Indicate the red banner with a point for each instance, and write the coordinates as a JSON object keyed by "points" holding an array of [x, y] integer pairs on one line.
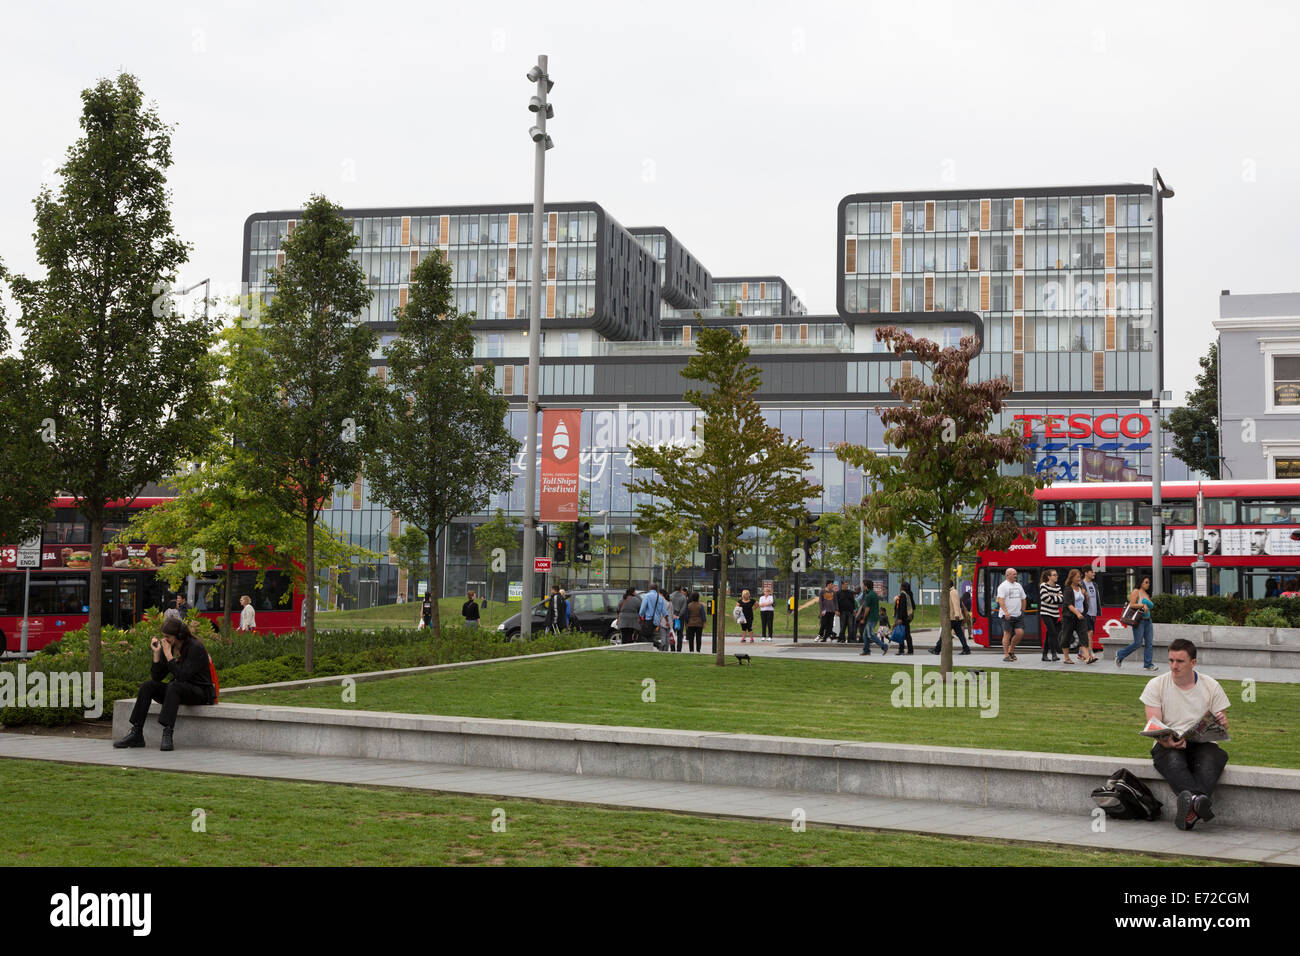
{"points": [[561, 431]]}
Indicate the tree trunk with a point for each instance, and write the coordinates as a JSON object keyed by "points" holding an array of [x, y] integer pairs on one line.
{"points": [[721, 659], [96, 603], [945, 625], [432, 591], [229, 589], [309, 655]]}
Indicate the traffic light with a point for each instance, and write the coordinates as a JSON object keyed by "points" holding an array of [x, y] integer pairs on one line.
{"points": [[582, 539], [561, 552], [810, 532], [731, 559]]}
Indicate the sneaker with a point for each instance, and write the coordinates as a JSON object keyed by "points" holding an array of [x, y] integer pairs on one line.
{"points": [[1118, 660], [1151, 667], [1185, 811], [1202, 806]]}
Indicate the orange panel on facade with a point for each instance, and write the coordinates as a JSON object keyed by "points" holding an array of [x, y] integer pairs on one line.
{"points": [[513, 235], [986, 213], [896, 256], [1018, 372], [550, 300], [406, 230], [929, 215], [511, 259], [1110, 332], [550, 262], [444, 230], [1020, 292], [974, 254], [850, 256], [510, 301], [1110, 210], [1099, 371], [984, 293], [553, 226], [1020, 252], [896, 287], [1110, 250], [1020, 214], [929, 293], [898, 217]]}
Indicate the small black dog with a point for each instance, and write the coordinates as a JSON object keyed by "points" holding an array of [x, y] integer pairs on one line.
{"points": [[743, 659]]}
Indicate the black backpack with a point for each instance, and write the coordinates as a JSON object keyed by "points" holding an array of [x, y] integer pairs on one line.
{"points": [[1125, 797]]}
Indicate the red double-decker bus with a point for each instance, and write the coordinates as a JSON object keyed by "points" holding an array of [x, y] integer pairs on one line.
{"points": [[1251, 531], [58, 597]]}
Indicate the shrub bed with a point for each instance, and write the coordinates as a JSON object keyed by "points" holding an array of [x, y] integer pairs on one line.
{"points": [[1178, 609], [244, 659]]}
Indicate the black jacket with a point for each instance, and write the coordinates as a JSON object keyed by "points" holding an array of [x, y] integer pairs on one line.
{"points": [[469, 610], [845, 601], [190, 668]]}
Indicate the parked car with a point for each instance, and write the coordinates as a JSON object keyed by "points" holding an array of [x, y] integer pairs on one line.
{"points": [[590, 609]]}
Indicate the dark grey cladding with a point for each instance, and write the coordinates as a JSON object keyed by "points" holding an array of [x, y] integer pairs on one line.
{"points": [[686, 284]]}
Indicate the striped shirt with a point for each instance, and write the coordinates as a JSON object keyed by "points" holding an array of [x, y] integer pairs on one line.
{"points": [[1049, 598]]}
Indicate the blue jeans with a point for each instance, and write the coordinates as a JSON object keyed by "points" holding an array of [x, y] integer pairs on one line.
{"points": [[1143, 634], [869, 634]]}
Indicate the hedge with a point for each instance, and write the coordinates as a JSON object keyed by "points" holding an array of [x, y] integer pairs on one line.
{"points": [[1176, 609], [246, 659]]}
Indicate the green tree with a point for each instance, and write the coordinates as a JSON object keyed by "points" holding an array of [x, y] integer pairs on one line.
{"points": [[28, 478], [674, 546], [302, 389], [949, 470], [444, 446], [411, 548], [499, 531], [837, 547], [125, 375], [1196, 426], [741, 472]]}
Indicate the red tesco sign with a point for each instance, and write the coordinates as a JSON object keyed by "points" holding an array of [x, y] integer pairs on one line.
{"points": [[1085, 426], [542, 565]]}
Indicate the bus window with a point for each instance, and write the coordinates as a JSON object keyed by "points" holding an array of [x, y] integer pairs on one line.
{"points": [[11, 595], [1049, 513], [60, 595], [1117, 513], [1181, 513], [1221, 511], [1270, 512], [1088, 512]]}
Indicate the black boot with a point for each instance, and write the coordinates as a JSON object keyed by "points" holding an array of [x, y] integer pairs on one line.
{"points": [[135, 738], [166, 740]]}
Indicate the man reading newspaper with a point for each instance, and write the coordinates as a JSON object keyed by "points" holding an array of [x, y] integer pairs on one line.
{"points": [[1186, 713]]}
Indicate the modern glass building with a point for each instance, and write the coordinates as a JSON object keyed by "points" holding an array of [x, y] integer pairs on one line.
{"points": [[1055, 284]]}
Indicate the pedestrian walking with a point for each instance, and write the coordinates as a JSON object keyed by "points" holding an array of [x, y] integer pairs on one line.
{"points": [[247, 616], [1049, 613], [746, 616], [1011, 608], [629, 617], [904, 610], [469, 610], [695, 616], [1076, 601], [1141, 606], [956, 617], [846, 605], [679, 600], [767, 611], [869, 611], [826, 607], [1092, 608]]}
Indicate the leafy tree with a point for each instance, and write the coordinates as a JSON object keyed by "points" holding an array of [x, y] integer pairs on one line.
{"points": [[302, 389], [125, 375], [28, 479], [837, 547], [1196, 426], [443, 447], [499, 531], [741, 472], [674, 546], [949, 471], [412, 555]]}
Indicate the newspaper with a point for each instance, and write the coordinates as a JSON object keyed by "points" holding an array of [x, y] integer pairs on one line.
{"points": [[1207, 729]]}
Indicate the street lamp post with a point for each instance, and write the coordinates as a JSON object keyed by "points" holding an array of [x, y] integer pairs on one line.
{"points": [[191, 583], [538, 105], [1159, 193]]}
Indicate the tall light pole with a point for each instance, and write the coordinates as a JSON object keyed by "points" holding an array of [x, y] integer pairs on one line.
{"points": [[538, 105], [1159, 193], [191, 583]]}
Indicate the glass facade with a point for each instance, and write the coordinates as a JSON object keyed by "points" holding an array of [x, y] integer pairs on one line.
{"points": [[761, 296], [1068, 272]]}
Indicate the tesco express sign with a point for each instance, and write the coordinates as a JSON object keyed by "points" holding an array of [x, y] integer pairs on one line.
{"points": [[1110, 425]]}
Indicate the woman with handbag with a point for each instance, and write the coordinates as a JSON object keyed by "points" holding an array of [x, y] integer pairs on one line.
{"points": [[1137, 615], [904, 608], [1049, 613], [629, 612], [1076, 621], [746, 617]]}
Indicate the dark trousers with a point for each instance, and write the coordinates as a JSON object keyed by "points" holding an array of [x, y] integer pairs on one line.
{"points": [[767, 622], [693, 638], [848, 627], [828, 625], [1197, 768], [630, 635], [1051, 629], [907, 627], [170, 695], [961, 636]]}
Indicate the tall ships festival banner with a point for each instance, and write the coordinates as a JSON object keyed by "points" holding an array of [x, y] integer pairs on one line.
{"points": [[561, 431]]}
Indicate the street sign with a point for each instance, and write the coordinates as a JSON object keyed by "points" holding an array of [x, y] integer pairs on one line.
{"points": [[542, 565], [29, 554]]}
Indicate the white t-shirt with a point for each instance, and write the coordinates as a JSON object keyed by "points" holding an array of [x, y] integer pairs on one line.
{"points": [[1183, 709], [1014, 595], [766, 602], [247, 618]]}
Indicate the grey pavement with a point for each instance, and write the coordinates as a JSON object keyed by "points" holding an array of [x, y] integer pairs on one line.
{"points": [[922, 641], [1214, 841]]}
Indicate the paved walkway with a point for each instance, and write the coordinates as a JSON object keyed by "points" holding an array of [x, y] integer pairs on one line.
{"points": [[1213, 841], [922, 641]]}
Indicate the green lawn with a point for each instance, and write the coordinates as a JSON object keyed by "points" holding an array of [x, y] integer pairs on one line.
{"points": [[253, 822], [1083, 713], [406, 615]]}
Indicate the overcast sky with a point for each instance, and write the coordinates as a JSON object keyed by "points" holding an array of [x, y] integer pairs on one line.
{"points": [[739, 126]]}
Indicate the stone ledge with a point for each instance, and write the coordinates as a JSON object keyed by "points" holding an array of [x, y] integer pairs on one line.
{"points": [[1249, 796]]}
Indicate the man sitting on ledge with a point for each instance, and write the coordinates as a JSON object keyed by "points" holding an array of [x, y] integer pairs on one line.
{"points": [[1179, 699]]}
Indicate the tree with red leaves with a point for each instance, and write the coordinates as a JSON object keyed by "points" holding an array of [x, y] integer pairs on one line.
{"points": [[949, 473]]}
